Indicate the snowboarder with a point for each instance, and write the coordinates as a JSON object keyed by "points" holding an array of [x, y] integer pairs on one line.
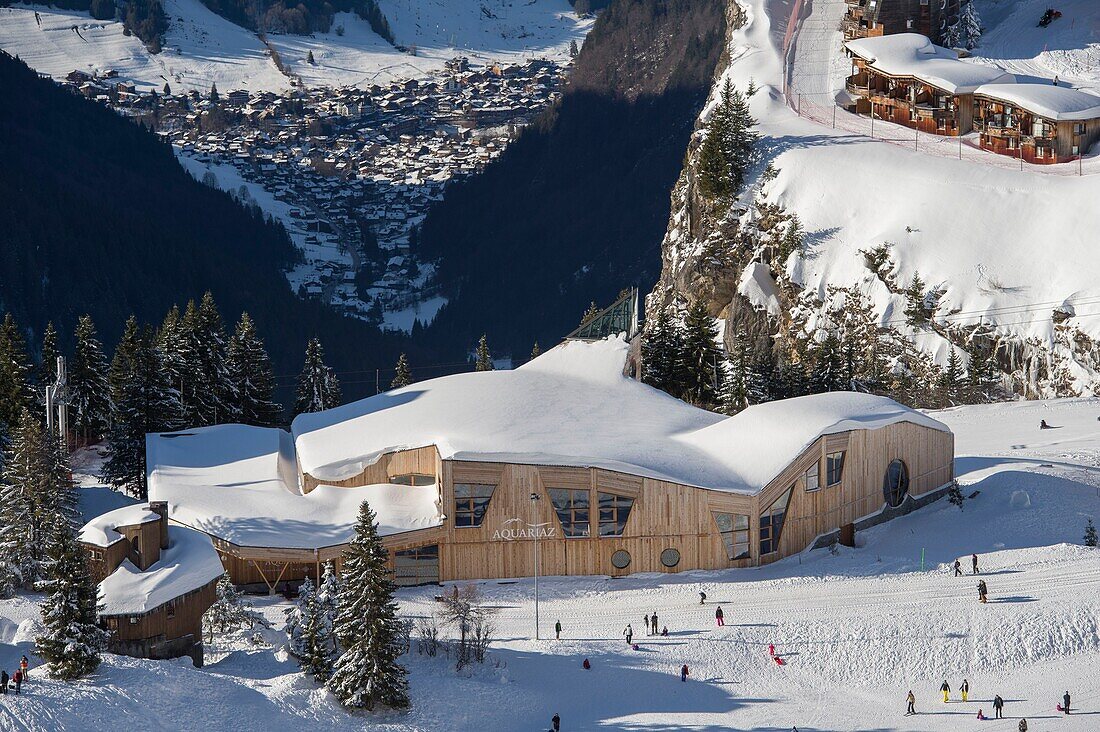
{"points": [[998, 706], [645, 624], [557, 630], [664, 632], [18, 679], [983, 591], [555, 722], [24, 666], [3, 681], [910, 701], [653, 619], [702, 598], [1022, 727], [958, 568], [974, 562], [1065, 703], [945, 689], [964, 689], [586, 665], [684, 673], [720, 616], [629, 633]]}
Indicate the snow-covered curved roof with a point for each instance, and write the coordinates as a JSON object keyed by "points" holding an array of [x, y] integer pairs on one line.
{"points": [[573, 407], [100, 531], [240, 483], [911, 54], [189, 562], [1045, 100]]}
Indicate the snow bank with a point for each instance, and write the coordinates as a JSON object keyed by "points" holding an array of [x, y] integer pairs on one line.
{"points": [[101, 530], [759, 287], [573, 407], [189, 562], [911, 54]]}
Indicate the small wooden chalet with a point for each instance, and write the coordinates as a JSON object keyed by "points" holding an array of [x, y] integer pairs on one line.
{"points": [[872, 18], [907, 80], [155, 581], [1038, 123]]}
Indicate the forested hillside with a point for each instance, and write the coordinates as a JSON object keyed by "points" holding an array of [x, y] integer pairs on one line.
{"points": [[575, 209], [97, 217], [298, 16]]}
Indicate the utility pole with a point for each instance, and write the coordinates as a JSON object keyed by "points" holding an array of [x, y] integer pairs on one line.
{"points": [[535, 507]]}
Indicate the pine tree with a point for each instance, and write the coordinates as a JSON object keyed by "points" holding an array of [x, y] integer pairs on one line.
{"points": [[828, 369], [742, 137], [318, 388], [46, 374], [662, 346], [970, 26], [535, 351], [15, 391], [253, 383], [179, 363], [483, 358], [214, 91], [318, 647], [590, 314], [295, 617], [916, 297], [230, 610], [216, 396], [72, 641], [89, 395], [142, 402], [951, 379], [698, 365], [791, 241], [573, 50], [734, 396], [367, 674], [402, 376], [167, 89], [1090, 533], [309, 58], [714, 163], [761, 385], [955, 496]]}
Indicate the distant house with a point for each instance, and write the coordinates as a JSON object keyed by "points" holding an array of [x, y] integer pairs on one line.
{"points": [[1039, 123], [155, 581], [908, 80], [872, 18]]}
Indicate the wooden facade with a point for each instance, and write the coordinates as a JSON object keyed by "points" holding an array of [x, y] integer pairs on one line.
{"points": [[669, 527], [908, 101], [1008, 129], [870, 18]]}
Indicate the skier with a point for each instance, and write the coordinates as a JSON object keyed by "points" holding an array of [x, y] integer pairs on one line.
{"points": [[645, 624], [586, 665], [24, 665], [3, 681], [555, 722], [720, 616], [945, 689], [958, 568], [629, 633], [974, 561], [1043, 424], [18, 678], [1022, 726], [684, 673], [702, 598], [998, 705], [653, 619], [557, 630], [1065, 703], [983, 591], [910, 701], [965, 689]]}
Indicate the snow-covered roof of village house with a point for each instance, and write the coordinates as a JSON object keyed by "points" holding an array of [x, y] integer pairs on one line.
{"points": [[240, 483], [572, 406], [1046, 100], [911, 54], [100, 531], [189, 562]]}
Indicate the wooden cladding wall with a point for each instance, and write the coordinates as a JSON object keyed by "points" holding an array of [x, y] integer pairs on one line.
{"points": [[186, 617], [421, 460]]}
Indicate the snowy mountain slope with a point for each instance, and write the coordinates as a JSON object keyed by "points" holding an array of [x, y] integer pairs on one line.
{"points": [[1006, 248], [857, 629], [201, 47]]}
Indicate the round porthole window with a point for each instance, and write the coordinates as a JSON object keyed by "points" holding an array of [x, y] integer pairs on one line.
{"points": [[620, 559], [670, 557]]}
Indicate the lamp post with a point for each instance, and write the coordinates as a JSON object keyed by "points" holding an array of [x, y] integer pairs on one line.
{"points": [[535, 525]]}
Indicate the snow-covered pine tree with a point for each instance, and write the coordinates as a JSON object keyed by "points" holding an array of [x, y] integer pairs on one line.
{"points": [[90, 402], [970, 26], [952, 34], [713, 165], [951, 380], [402, 376], [828, 368], [734, 394], [46, 373], [253, 383], [698, 364], [791, 241], [661, 348], [763, 374], [1090, 533], [63, 495], [15, 391], [216, 395], [295, 616], [318, 649], [318, 388], [179, 363], [72, 640], [367, 673], [328, 592], [916, 302], [483, 359], [141, 402], [230, 610], [741, 147]]}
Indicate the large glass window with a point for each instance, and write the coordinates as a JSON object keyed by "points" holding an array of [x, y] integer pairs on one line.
{"points": [[771, 523], [834, 468], [471, 502], [812, 477], [895, 484], [572, 508], [412, 479], [734, 528], [419, 566], [614, 511]]}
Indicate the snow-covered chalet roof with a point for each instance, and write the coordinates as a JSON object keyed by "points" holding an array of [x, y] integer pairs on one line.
{"points": [[189, 562], [572, 406], [1046, 100], [101, 531], [240, 483], [911, 54]]}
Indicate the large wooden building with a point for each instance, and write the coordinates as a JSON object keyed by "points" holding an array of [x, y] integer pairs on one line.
{"points": [[607, 475], [155, 581], [1040, 123], [873, 18]]}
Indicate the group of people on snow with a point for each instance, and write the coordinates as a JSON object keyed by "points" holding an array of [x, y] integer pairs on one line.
{"points": [[17, 678], [964, 693]]}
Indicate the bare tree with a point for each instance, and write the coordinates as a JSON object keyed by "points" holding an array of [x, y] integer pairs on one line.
{"points": [[465, 611]]}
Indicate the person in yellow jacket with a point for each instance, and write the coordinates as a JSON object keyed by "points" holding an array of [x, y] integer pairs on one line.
{"points": [[965, 689], [945, 689]]}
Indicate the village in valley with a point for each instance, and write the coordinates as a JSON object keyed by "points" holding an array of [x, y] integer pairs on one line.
{"points": [[349, 171]]}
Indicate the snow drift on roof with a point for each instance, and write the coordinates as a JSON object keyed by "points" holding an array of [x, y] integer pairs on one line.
{"points": [[189, 562], [240, 483], [1045, 100], [572, 406], [911, 54], [101, 530]]}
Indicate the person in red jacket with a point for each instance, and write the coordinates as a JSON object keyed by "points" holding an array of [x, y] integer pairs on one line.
{"points": [[720, 616], [18, 679]]}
